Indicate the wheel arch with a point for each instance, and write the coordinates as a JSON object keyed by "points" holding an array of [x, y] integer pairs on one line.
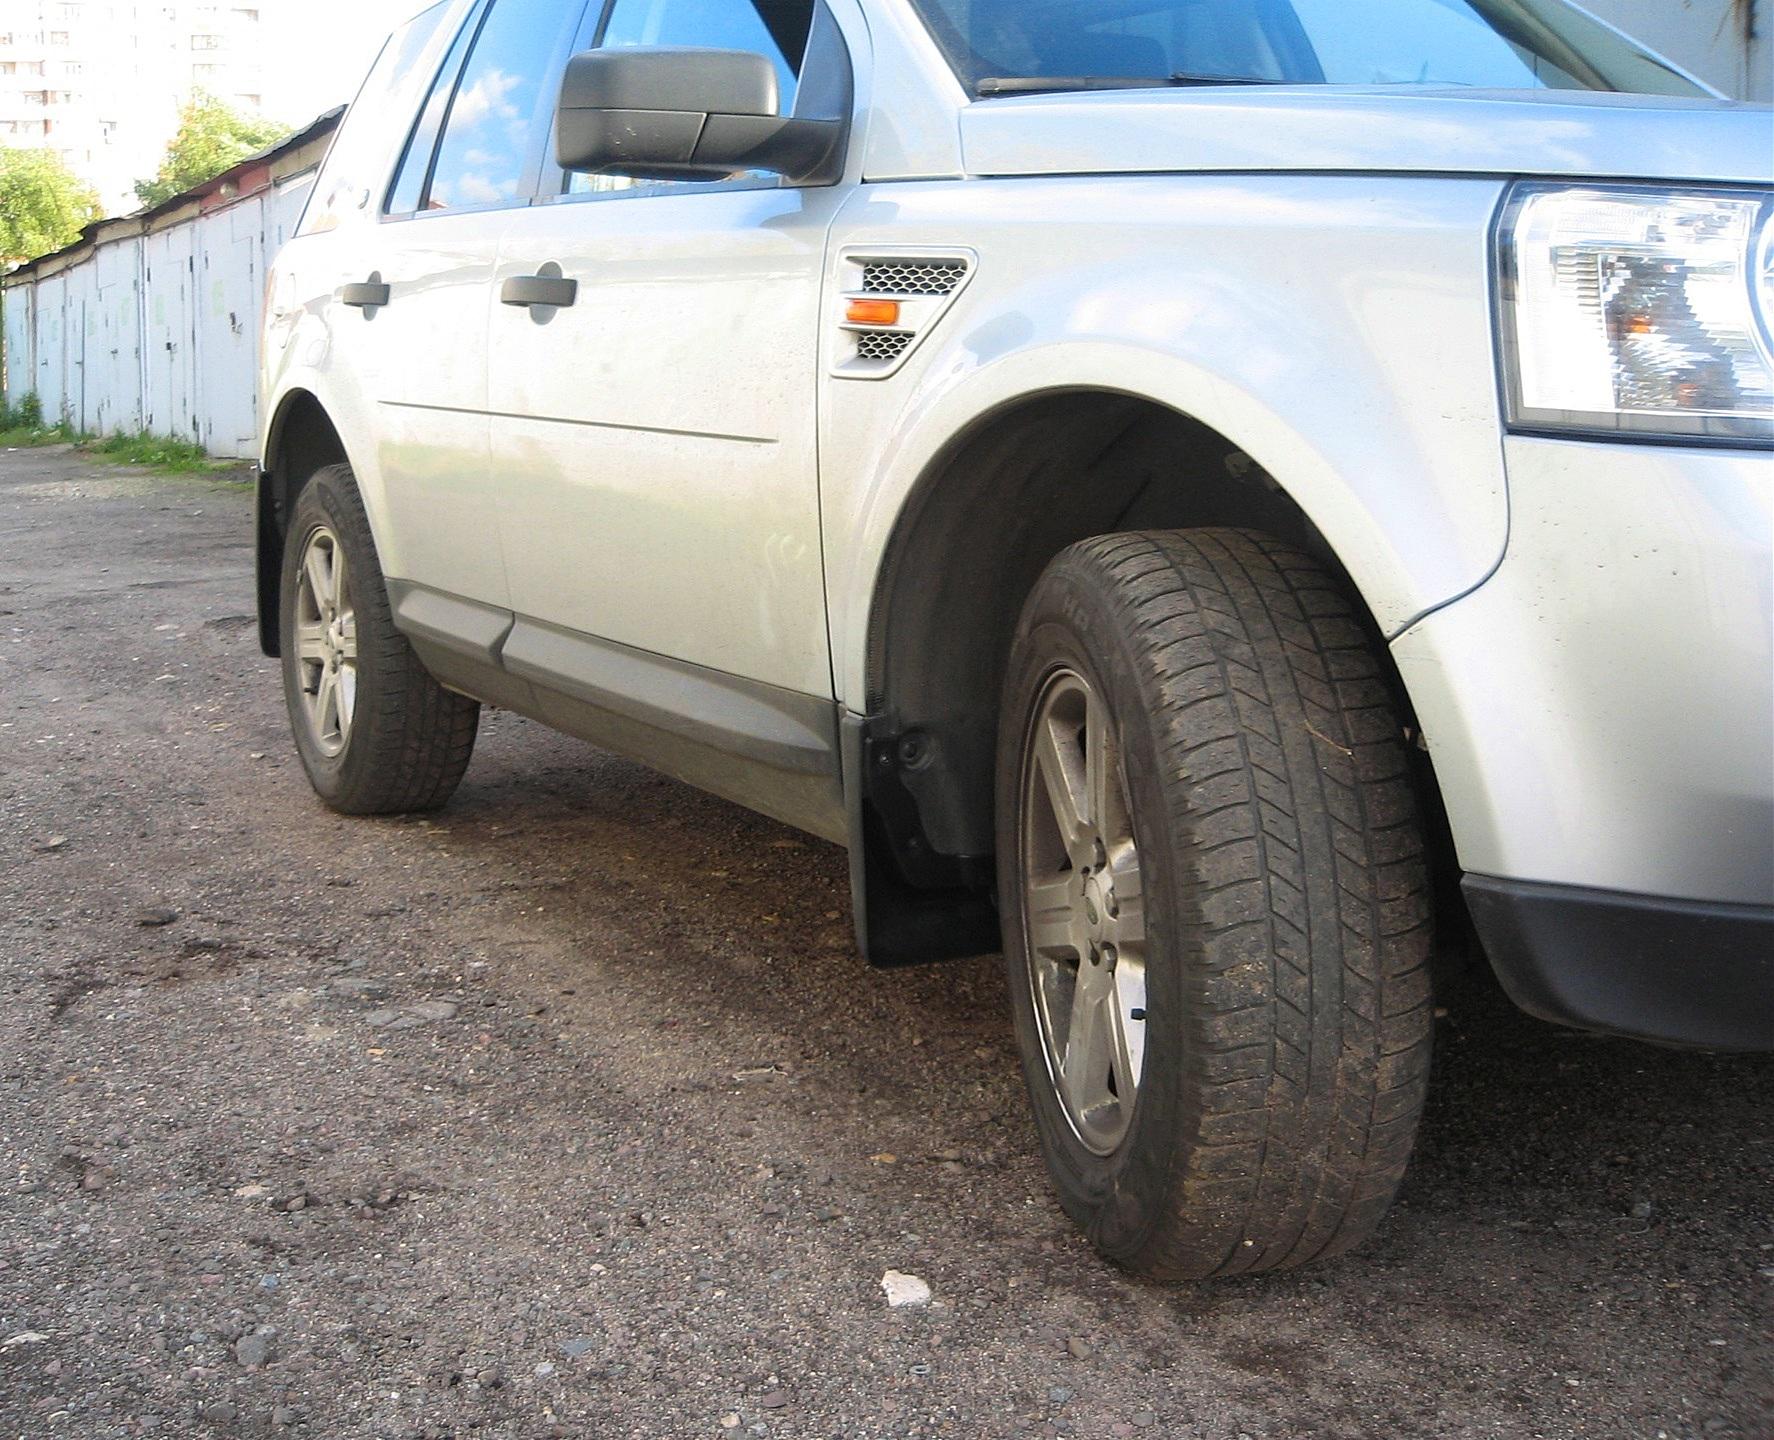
{"points": [[300, 440], [1025, 478]]}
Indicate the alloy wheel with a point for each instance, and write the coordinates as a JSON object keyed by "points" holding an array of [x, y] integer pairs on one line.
{"points": [[326, 642], [1084, 912]]}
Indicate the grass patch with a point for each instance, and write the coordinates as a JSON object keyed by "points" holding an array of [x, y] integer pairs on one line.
{"points": [[18, 437], [156, 452], [22, 425]]}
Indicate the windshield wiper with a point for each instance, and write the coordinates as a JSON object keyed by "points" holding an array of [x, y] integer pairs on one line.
{"points": [[1185, 78], [1048, 84]]}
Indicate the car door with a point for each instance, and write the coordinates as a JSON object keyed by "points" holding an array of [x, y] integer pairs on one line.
{"points": [[656, 438], [473, 155]]}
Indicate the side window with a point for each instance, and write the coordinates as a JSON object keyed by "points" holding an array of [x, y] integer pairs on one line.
{"points": [[492, 134], [393, 86], [778, 29], [408, 190]]}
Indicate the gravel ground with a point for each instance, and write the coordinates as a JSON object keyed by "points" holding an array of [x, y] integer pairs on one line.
{"points": [[571, 1111]]}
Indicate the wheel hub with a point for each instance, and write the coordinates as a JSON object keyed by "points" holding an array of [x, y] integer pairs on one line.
{"points": [[1098, 903]]}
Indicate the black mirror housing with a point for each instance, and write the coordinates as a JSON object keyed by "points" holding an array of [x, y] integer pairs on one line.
{"points": [[670, 113], [672, 80]]}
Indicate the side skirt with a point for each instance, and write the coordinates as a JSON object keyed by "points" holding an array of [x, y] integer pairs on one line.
{"points": [[769, 749]]}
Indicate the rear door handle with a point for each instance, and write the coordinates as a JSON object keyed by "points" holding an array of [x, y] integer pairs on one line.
{"points": [[539, 290], [369, 294]]}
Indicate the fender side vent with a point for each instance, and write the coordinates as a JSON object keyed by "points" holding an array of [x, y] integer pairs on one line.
{"points": [[913, 277], [921, 284], [884, 346]]}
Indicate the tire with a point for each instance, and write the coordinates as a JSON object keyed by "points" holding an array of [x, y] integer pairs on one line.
{"points": [[391, 740], [1250, 942]]}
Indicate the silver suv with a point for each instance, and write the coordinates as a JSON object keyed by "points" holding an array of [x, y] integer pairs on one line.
{"points": [[1202, 496]]}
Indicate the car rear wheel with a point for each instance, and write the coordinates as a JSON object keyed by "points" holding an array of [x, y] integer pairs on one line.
{"points": [[376, 734], [1216, 906]]}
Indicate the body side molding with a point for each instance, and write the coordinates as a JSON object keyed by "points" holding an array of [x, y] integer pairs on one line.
{"points": [[434, 618], [779, 728], [771, 749]]}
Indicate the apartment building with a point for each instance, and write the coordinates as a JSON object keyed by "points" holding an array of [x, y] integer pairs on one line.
{"points": [[100, 81]]}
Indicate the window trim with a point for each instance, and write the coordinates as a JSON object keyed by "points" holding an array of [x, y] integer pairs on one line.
{"points": [[541, 121], [473, 19], [587, 35]]}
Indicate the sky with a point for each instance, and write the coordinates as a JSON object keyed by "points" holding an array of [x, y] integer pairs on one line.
{"points": [[325, 48]]}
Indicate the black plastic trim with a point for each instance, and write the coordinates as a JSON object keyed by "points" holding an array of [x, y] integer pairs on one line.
{"points": [[548, 291], [771, 749], [267, 559], [369, 294], [467, 627], [912, 905], [779, 728], [1678, 972], [606, 113]]}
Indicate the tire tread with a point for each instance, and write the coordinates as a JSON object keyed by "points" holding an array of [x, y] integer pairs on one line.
{"points": [[1293, 809]]}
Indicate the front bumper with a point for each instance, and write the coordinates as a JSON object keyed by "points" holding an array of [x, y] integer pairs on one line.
{"points": [[1600, 715], [1680, 972]]}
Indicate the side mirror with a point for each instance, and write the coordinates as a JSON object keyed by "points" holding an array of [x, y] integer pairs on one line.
{"points": [[666, 113]]}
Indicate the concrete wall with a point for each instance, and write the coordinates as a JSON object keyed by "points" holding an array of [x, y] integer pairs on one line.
{"points": [[1724, 42], [152, 322], [155, 331]]}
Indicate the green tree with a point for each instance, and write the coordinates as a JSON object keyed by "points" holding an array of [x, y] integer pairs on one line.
{"points": [[43, 205], [212, 137]]}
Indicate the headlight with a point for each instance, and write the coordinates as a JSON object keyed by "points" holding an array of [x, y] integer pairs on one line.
{"points": [[1638, 312]]}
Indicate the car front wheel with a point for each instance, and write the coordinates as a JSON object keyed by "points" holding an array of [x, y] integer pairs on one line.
{"points": [[1216, 906]]}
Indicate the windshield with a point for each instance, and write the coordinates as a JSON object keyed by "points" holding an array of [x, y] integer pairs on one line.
{"points": [[1006, 46]]}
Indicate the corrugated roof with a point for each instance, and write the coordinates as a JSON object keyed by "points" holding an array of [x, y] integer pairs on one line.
{"points": [[140, 220]]}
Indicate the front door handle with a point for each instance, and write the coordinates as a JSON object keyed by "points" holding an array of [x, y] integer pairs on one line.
{"points": [[539, 290], [369, 294]]}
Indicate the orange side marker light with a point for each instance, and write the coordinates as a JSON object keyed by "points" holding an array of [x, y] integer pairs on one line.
{"points": [[873, 312]]}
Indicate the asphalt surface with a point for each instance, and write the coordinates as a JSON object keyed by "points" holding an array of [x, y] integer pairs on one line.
{"points": [[571, 1111]]}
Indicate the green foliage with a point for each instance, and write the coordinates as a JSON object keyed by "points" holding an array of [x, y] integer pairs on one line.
{"points": [[27, 414], [43, 205], [158, 452], [22, 425], [212, 137]]}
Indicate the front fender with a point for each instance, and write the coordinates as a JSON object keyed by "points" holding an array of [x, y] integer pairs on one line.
{"points": [[1336, 329]]}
